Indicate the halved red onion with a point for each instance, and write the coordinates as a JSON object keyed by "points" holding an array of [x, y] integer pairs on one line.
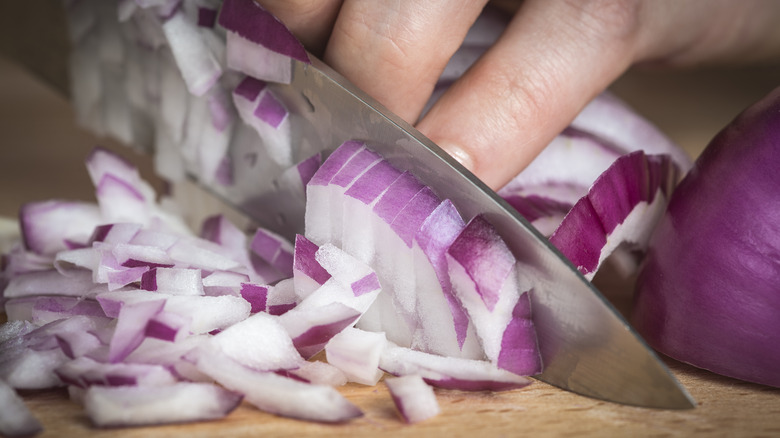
{"points": [[160, 404], [544, 212], [707, 292], [413, 398], [560, 175]]}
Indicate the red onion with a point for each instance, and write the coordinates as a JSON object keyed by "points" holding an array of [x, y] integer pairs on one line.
{"points": [[707, 294]]}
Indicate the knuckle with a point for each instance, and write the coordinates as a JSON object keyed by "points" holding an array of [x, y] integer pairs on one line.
{"points": [[609, 18]]}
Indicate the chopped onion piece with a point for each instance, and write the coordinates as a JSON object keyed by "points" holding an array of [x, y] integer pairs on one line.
{"points": [[272, 351], [85, 372], [280, 395], [356, 353], [413, 398], [47, 226], [198, 66], [449, 372], [165, 404], [15, 418]]}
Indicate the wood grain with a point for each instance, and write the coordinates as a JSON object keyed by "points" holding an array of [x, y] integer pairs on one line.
{"points": [[42, 158]]}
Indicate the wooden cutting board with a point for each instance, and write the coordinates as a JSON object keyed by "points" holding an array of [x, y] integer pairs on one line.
{"points": [[42, 158]]}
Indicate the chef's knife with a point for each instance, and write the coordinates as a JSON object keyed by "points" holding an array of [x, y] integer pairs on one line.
{"points": [[587, 347]]}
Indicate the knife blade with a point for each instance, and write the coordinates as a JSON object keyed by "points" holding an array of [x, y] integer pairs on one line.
{"points": [[586, 345]]}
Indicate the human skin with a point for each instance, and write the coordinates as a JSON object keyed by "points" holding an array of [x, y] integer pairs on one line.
{"points": [[551, 60]]}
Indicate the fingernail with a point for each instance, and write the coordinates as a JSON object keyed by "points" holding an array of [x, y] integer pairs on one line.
{"points": [[459, 154]]}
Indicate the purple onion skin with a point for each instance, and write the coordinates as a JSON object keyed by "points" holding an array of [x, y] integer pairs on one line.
{"points": [[708, 291]]}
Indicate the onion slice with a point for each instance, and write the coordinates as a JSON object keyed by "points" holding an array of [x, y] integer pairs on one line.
{"points": [[622, 207]]}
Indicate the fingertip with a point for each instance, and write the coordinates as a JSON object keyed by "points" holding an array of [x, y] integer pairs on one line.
{"points": [[457, 152], [523, 91]]}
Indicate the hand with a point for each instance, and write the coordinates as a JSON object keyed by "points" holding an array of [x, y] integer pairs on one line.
{"points": [[554, 57]]}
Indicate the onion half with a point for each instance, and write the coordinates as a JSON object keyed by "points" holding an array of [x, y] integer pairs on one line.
{"points": [[707, 293]]}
